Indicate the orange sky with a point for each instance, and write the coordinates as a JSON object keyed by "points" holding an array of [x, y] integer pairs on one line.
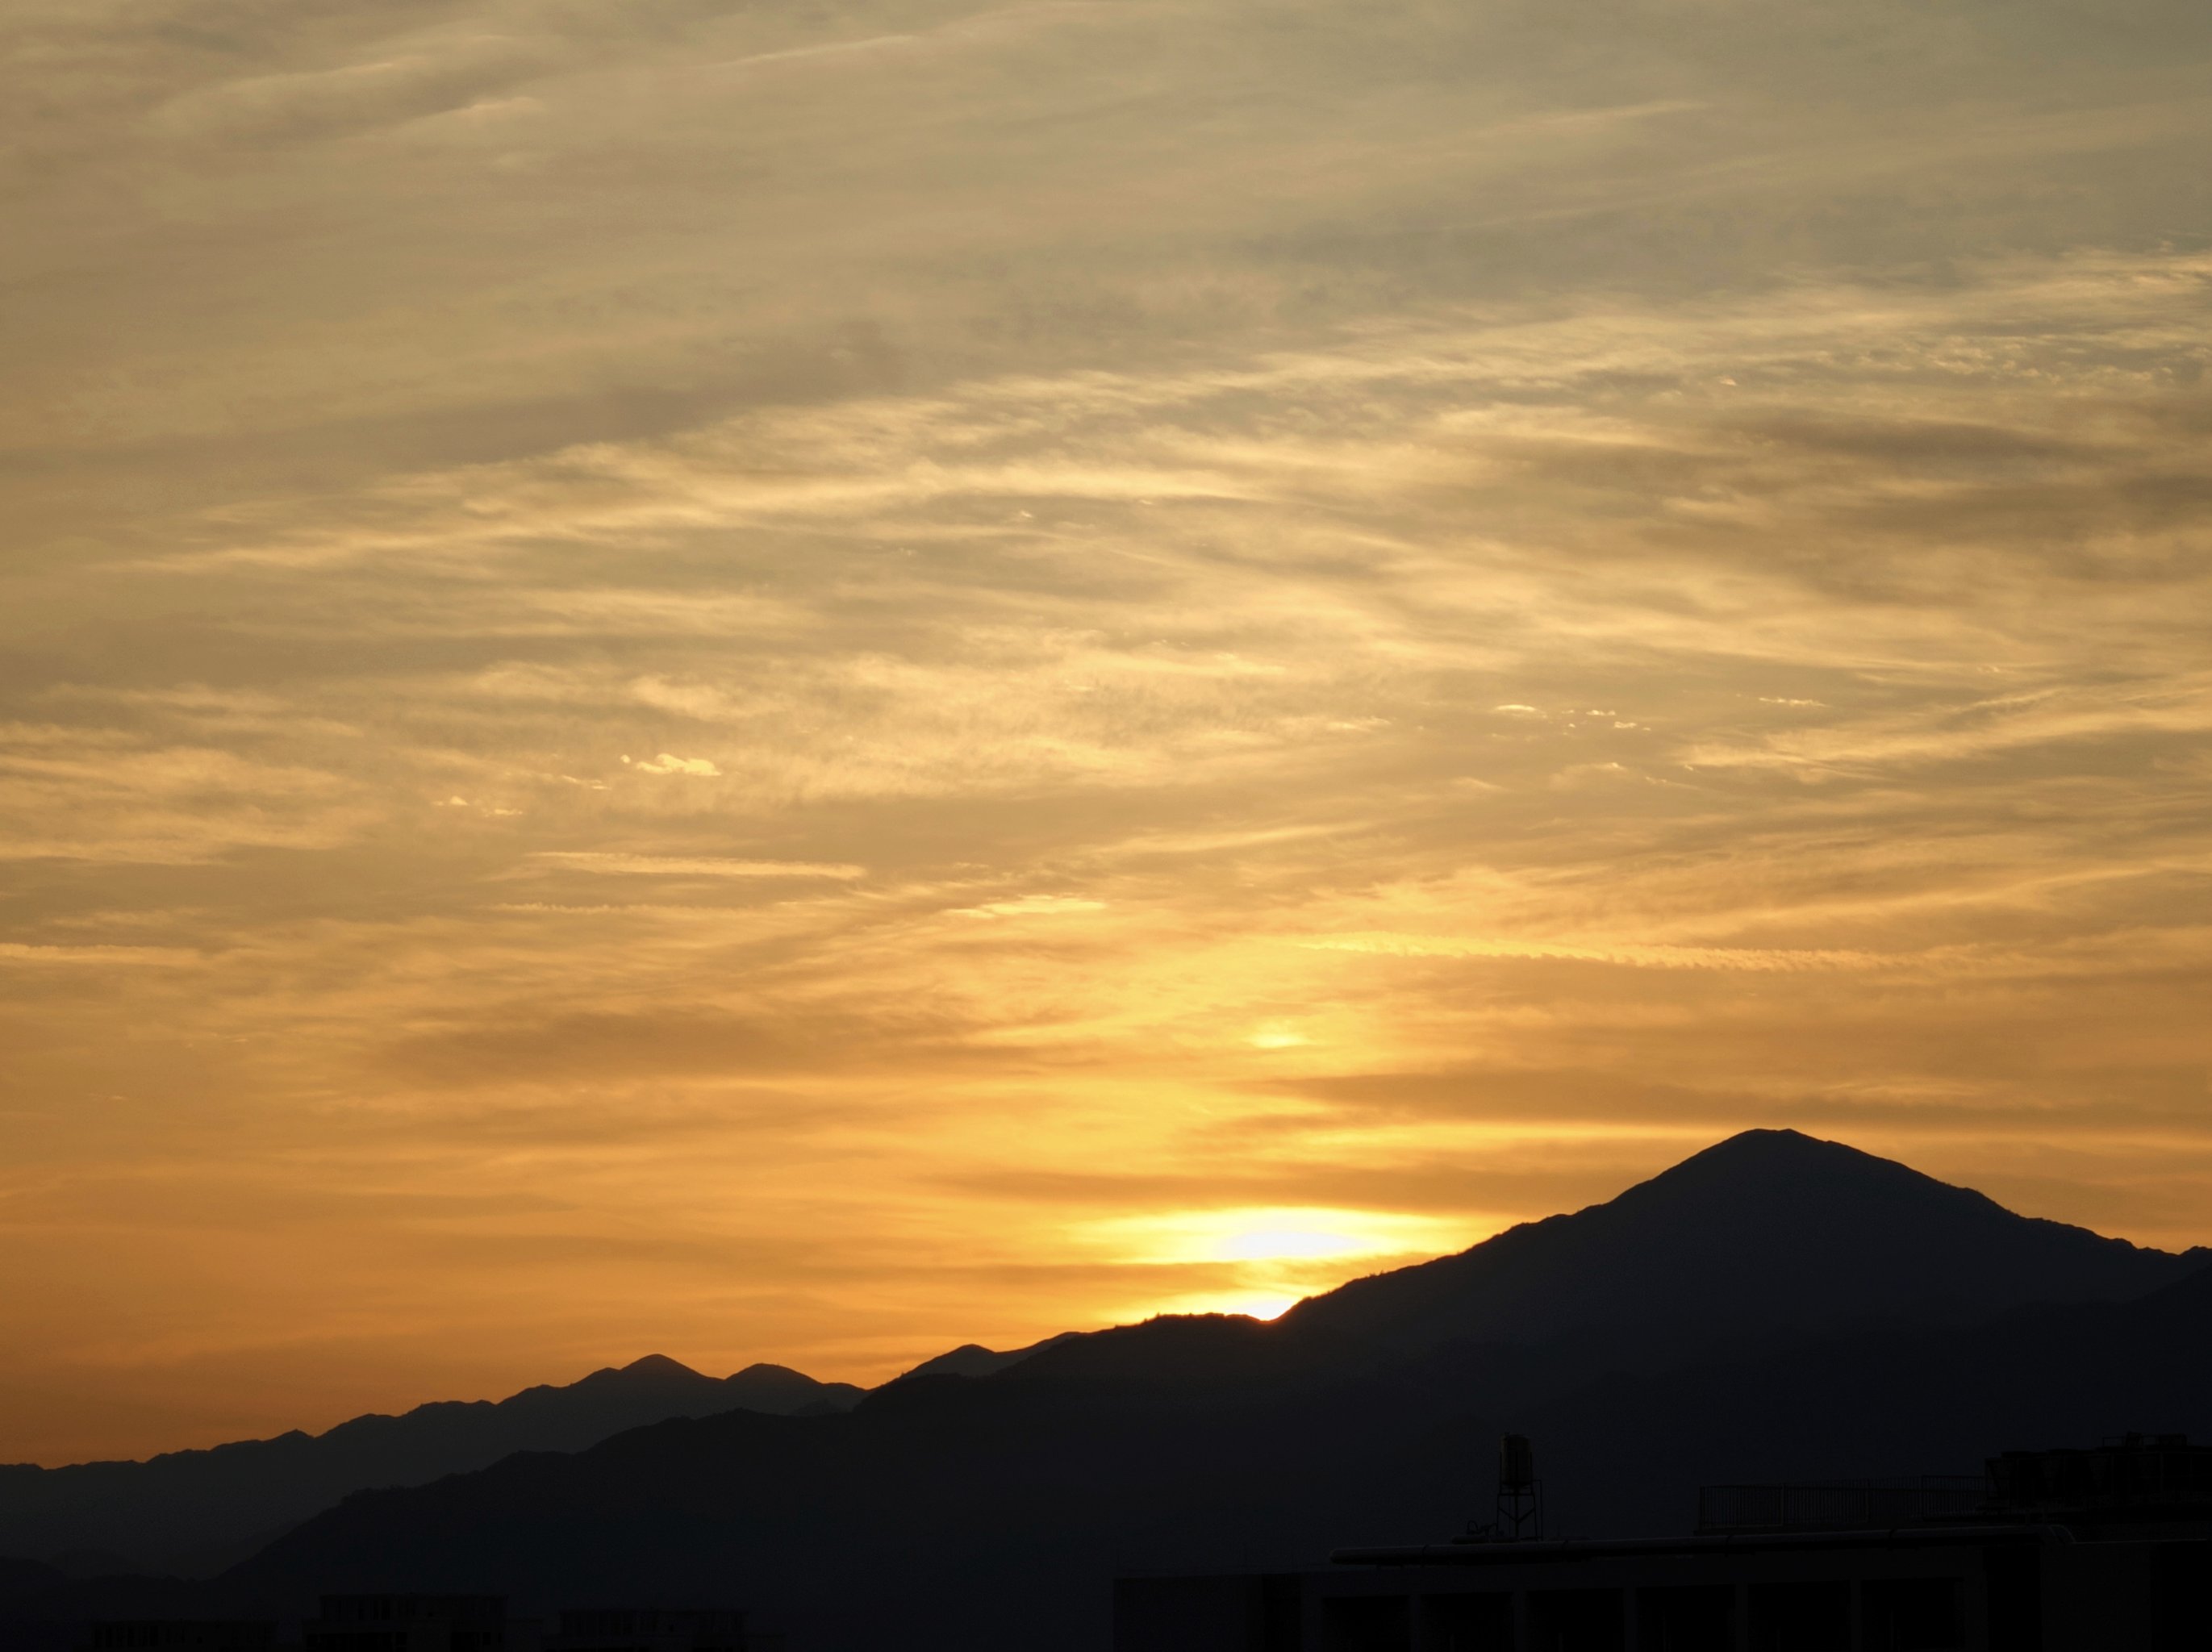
{"points": [[805, 683]]}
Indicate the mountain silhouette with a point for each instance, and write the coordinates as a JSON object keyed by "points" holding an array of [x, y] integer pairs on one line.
{"points": [[974, 1359], [1769, 1230], [190, 1511], [1786, 1306], [1769, 1235], [1886, 1403], [20, 1579]]}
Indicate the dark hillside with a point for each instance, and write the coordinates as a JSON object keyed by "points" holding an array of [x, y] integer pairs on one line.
{"points": [[1783, 1308], [990, 1511], [201, 1510], [1769, 1231]]}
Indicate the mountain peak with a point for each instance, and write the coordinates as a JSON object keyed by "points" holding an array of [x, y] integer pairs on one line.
{"points": [[1771, 1228], [1749, 1151], [974, 1359], [1774, 1141], [657, 1365], [1754, 1155], [1790, 1181]]}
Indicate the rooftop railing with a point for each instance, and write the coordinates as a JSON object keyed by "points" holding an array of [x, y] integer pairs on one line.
{"points": [[1839, 1506]]}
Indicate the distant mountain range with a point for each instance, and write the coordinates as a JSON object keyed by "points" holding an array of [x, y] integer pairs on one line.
{"points": [[199, 1511], [1773, 1306], [974, 1359], [25, 1579]]}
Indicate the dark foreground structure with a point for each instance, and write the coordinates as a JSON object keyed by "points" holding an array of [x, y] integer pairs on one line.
{"points": [[407, 1623], [654, 1629], [2103, 1550], [449, 1623]]}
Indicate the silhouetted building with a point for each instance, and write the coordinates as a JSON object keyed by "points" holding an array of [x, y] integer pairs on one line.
{"points": [[178, 1634], [1839, 1505], [658, 1629], [407, 1623], [1794, 1569], [2133, 1481], [2154, 1483]]}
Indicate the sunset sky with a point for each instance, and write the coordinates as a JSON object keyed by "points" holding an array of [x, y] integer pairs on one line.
{"points": [[808, 681]]}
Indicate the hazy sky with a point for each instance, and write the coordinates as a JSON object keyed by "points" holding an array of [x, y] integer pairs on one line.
{"points": [[806, 681]]}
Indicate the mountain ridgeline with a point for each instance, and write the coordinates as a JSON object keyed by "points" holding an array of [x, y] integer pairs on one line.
{"points": [[1767, 1231], [198, 1511], [1775, 1306]]}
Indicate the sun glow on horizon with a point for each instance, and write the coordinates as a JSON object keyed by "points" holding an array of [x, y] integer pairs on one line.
{"points": [[1261, 1261], [1292, 1234]]}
